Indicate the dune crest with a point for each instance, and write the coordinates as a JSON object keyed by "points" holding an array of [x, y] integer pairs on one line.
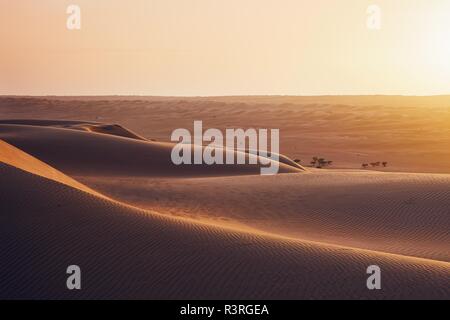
{"points": [[111, 129]]}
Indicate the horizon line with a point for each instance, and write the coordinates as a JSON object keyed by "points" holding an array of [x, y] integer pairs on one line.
{"points": [[217, 96]]}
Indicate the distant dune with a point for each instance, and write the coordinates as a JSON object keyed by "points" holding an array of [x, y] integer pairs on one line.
{"points": [[410, 133], [96, 194], [113, 129]]}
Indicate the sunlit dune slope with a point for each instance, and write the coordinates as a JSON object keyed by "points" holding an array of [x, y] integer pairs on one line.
{"points": [[21, 160]]}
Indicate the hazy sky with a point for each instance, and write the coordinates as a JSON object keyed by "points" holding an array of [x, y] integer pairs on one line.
{"points": [[224, 47]]}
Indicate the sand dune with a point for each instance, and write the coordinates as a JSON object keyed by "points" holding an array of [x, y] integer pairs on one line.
{"points": [[83, 154], [127, 253], [397, 213], [205, 232], [115, 130]]}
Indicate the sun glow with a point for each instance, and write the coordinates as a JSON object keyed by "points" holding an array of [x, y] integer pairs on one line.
{"points": [[226, 48], [436, 41]]}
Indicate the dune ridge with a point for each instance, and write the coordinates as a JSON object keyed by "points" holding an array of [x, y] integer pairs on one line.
{"points": [[112, 129]]}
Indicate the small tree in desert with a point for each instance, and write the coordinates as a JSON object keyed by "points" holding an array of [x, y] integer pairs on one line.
{"points": [[375, 164], [320, 162]]}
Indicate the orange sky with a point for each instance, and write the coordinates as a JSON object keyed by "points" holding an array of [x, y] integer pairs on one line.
{"points": [[224, 47]]}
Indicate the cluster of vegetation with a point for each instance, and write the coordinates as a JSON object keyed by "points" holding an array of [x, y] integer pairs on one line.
{"points": [[374, 164], [317, 162], [320, 162]]}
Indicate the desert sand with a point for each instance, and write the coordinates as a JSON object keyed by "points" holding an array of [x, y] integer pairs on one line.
{"points": [[89, 181], [411, 133]]}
